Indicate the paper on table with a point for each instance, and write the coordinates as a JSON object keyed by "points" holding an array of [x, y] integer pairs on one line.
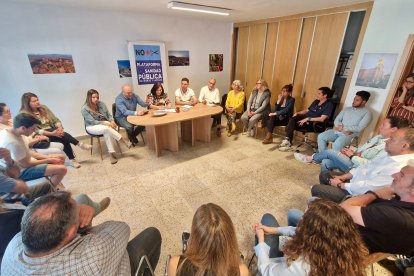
{"points": [[171, 110]]}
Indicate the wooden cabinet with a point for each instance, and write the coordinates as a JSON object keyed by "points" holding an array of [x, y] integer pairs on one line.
{"points": [[300, 49]]}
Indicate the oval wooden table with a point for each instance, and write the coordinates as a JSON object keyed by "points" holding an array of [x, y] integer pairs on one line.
{"points": [[162, 132]]}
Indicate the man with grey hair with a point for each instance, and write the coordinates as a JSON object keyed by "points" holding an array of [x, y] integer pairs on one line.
{"points": [[56, 238], [126, 104], [386, 216], [373, 175], [210, 94]]}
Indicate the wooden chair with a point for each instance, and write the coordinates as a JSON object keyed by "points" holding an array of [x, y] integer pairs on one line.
{"points": [[373, 258], [99, 142]]}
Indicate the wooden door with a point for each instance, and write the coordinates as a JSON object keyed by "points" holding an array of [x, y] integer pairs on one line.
{"points": [[255, 54], [286, 55], [324, 54], [241, 53], [308, 28], [270, 51]]}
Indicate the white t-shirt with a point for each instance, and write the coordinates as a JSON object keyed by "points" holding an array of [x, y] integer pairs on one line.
{"points": [[185, 97], [15, 144], [209, 96]]}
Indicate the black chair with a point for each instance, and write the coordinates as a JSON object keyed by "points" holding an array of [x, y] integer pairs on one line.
{"points": [[116, 121], [317, 127]]}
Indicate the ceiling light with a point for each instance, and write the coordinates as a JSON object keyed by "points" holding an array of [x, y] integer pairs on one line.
{"points": [[197, 8]]}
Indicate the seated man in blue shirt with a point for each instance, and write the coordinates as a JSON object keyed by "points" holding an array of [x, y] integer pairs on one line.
{"points": [[318, 111], [348, 124], [126, 104]]}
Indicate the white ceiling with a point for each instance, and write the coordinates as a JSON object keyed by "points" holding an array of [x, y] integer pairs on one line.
{"points": [[242, 10]]}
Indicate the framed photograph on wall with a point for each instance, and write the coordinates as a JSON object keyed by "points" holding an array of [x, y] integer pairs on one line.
{"points": [[376, 69], [51, 63]]}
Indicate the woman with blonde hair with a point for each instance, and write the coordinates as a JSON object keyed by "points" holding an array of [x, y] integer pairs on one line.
{"points": [[257, 104], [325, 242], [51, 126], [212, 247], [98, 121], [234, 106]]}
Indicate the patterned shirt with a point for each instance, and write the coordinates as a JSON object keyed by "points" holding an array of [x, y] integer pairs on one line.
{"points": [[100, 252], [162, 100]]}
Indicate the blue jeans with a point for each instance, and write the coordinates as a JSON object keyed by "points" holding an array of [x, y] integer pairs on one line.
{"points": [[332, 159], [340, 140], [34, 172], [84, 199], [271, 240], [294, 216]]}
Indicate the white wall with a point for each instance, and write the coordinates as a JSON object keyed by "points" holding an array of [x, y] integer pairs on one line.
{"points": [[388, 28], [96, 40]]}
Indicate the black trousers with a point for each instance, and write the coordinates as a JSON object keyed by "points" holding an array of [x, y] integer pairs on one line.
{"points": [[66, 140], [293, 125], [148, 243], [273, 121], [325, 190]]}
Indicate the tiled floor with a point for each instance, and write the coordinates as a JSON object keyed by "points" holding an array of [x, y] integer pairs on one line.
{"points": [[238, 173]]}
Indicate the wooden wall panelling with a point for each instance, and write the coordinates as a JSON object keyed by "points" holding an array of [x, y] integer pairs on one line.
{"points": [[241, 54], [270, 50], [255, 53], [286, 55], [326, 47], [308, 27]]}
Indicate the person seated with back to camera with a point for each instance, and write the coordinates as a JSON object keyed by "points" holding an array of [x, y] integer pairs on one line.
{"points": [[212, 246], [98, 121], [234, 106], [57, 238], [346, 159], [51, 126], [36, 142], [319, 111], [349, 123], [257, 104], [158, 98], [280, 116], [185, 95], [325, 242]]}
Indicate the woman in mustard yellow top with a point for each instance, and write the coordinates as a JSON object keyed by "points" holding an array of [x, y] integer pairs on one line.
{"points": [[234, 106]]}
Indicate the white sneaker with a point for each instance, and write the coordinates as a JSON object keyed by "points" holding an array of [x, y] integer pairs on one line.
{"points": [[303, 158], [75, 164], [251, 132], [285, 143], [60, 187], [287, 148], [84, 146]]}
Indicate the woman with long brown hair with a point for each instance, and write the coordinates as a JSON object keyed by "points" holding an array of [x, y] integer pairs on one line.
{"points": [[212, 247], [51, 126], [98, 121], [326, 242]]}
